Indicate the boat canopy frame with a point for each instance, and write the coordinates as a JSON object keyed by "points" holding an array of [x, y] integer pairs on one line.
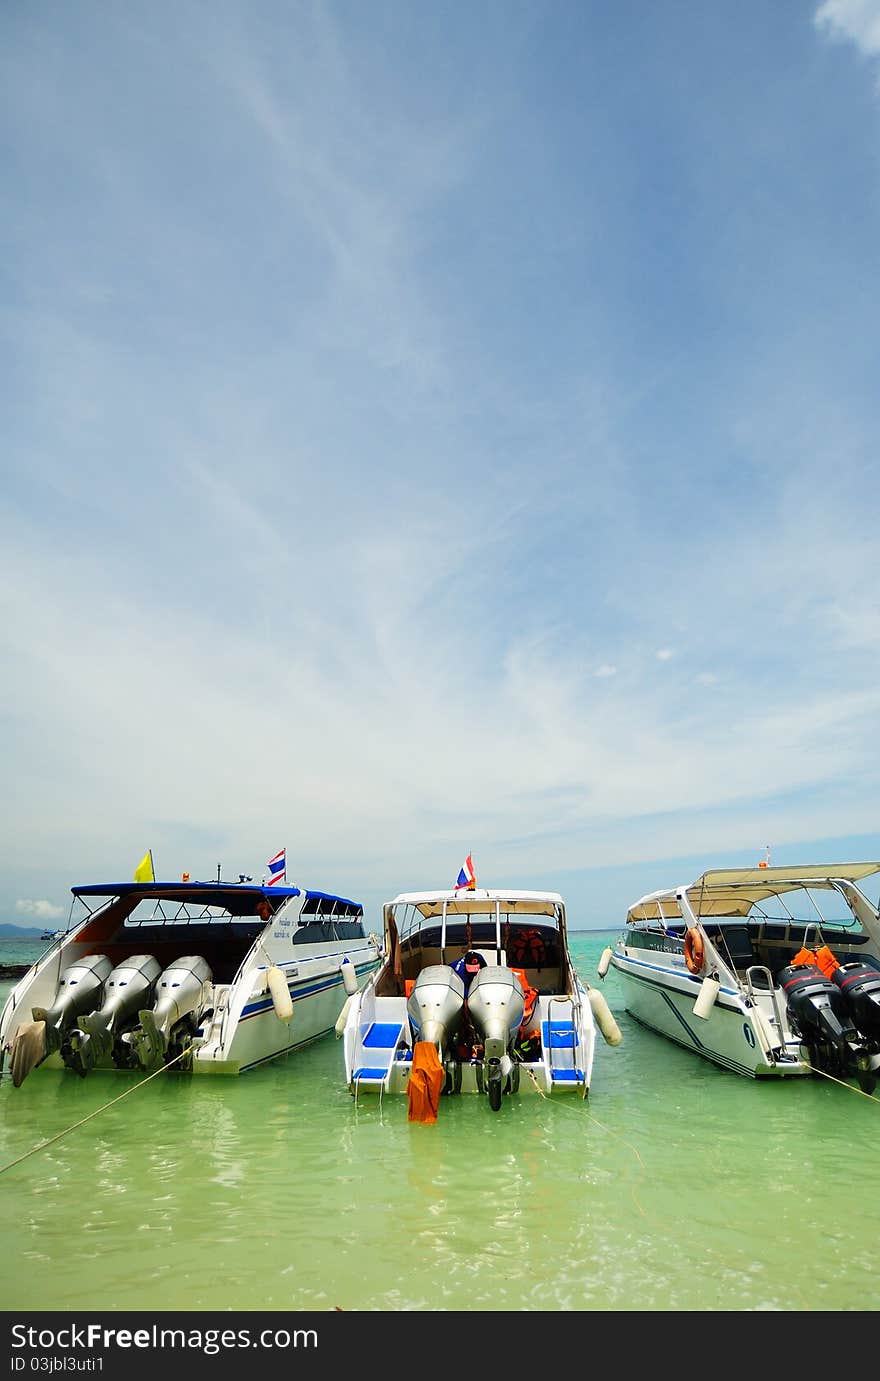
{"points": [[420, 908], [740, 892], [207, 903]]}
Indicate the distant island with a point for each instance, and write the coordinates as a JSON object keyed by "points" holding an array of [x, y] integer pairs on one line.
{"points": [[21, 932]]}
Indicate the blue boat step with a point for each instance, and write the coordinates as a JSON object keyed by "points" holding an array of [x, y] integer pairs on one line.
{"points": [[382, 1035], [571, 1076], [559, 1034], [379, 1050]]}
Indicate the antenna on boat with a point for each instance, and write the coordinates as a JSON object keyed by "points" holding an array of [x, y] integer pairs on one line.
{"points": [[218, 872], [765, 861]]}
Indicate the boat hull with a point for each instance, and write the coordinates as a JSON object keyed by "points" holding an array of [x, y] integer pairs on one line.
{"points": [[233, 993], [254, 1035], [731, 1036]]}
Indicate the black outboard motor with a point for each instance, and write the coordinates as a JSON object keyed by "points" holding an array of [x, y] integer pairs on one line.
{"points": [[818, 1012], [860, 986]]}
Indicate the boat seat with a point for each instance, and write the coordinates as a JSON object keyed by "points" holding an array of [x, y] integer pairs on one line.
{"points": [[493, 956], [734, 943]]}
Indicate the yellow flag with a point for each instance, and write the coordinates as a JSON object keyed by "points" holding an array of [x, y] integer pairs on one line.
{"points": [[144, 871]]}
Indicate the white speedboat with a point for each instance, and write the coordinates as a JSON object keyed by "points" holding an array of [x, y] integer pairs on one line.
{"points": [[771, 972], [212, 977], [521, 1021]]}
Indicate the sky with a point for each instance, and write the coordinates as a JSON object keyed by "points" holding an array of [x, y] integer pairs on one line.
{"points": [[438, 429]]}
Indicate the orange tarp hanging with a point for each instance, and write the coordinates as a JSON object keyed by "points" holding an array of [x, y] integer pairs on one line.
{"points": [[425, 1083]]}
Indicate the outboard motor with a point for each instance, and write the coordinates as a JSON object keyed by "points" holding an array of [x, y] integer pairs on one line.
{"points": [[131, 984], [80, 989], [818, 1012], [860, 986], [182, 994], [435, 1004], [496, 1003]]}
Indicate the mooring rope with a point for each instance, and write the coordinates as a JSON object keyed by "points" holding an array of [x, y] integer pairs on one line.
{"points": [[72, 1128], [842, 1082]]}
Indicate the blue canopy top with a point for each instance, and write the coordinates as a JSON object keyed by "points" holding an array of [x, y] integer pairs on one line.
{"points": [[181, 890]]}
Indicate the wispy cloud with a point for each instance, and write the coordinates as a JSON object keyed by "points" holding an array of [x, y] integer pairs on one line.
{"points": [[383, 409], [855, 21], [39, 910]]}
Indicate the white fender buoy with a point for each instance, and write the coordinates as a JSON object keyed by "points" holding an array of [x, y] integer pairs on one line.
{"points": [[604, 961], [281, 1000], [706, 997], [349, 977], [604, 1018], [341, 1019]]}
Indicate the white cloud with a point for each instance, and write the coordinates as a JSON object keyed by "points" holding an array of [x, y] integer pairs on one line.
{"points": [[41, 910], [857, 21], [606, 669], [664, 654]]}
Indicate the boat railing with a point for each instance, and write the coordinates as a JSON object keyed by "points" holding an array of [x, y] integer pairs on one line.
{"points": [[770, 989]]}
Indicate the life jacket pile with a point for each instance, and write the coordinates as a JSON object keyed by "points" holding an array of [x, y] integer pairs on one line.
{"points": [[527, 947], [821, 959]]}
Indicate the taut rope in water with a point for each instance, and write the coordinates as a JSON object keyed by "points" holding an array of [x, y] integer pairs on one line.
{"points": [[43, 1144], [843, 1083]]}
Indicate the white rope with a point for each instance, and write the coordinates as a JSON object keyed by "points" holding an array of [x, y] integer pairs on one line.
{"points": [[52, 1139]]}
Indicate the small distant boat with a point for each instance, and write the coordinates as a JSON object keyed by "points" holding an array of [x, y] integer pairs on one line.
{"points": [[52, 934], [743, 968], [212, 977], [521, 1021]]}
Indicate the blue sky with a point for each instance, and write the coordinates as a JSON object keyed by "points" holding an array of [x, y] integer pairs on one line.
{"points": [[432, 429]]}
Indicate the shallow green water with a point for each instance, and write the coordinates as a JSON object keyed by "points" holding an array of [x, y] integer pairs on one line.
{"points": [[675, 1186]]}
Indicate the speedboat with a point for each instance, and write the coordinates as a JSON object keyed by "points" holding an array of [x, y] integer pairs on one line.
{"points": [[521, 1021], [211, 977], [772, 972]]}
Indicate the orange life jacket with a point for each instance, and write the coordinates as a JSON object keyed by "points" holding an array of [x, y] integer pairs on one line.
{"points": [[527, 947], [531, 994], [826, 961]]}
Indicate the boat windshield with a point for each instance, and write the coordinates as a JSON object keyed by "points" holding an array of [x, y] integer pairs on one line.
{"points": [[513, 927]]}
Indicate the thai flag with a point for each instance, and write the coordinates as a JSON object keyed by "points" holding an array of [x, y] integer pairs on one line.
{"points": [[277, 867], [466, 879]]}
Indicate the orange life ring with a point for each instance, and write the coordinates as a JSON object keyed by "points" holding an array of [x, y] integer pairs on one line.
{"points": [[693, 950]]}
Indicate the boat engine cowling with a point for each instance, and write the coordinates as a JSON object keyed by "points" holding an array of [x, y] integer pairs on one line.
{"points": [[496, 1004], [817, 1009], [80, 989], [130, 985], [860, 986], [435, 1003], [183, 991]]}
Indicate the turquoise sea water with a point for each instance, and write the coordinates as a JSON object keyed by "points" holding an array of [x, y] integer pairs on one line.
{"points": [[675, 1186]]}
